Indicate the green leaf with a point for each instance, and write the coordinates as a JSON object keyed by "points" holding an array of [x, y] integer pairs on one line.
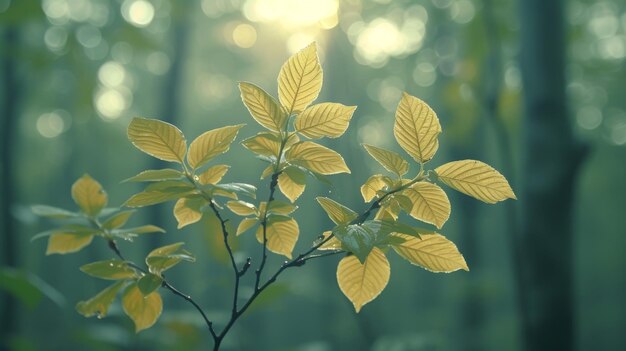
{"points": [[117, 220], [300, 80], [337, 212], [144, 229], [241, 188], [164, 258], [392, 161], [64, 243], [149, 283], [362, 281], [143, 310], [99, 304], [265, 144], [213, 174], [188, 210], [19, 285], [476, 179], [416, 128], [210, 144], [432, 251], [324, 120], [153, 175], [158, 139], [316, 158], [356, 239], [161, 192], [263, 108], [53, 212], [291, 183], [110, 269], [89, 195], [242, 208]]}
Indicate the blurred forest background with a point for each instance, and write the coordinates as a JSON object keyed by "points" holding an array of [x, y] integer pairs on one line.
{"points": [[534, 88]]}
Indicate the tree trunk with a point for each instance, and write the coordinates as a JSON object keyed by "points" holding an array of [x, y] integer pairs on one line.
{"points": [[551, 159]]}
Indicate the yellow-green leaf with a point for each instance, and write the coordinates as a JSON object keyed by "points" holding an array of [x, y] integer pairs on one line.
{"points": [[291, 183], [158, 139], [337, 212], [430, 203], [99, 304], [476, 179], [211, 144], [188, 210], [416, 128], [245, 225], [281, 207], [117, 220], [392, 161], [241, 208], [371, 187], [332, 244], [63, 243], [317, 158], [213, 174], [362, 283], [265, 144], [263, 108], [113, 269], [281, 236], [324, 120], [89, 195], [431, 251], [143, 310], [300, 80], [153, 175]]}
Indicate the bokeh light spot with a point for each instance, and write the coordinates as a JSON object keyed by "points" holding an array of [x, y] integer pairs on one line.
{"points": [[139, 13], [244, 35]]}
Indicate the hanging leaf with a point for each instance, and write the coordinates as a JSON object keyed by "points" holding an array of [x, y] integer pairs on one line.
{"points": [[63, 243], [300, 80], [143, 310], [430, 203], [281, 236], [357, 239], [213, 174], [324, 120], [158, 139], [316, 158], [363, 282], [241, 208], [154, 175], [99, 304], [117, 220], [432, 251], [89, 195], [263, 108], [392, 161], [476, 179], [114, 269], [266, 144], [337, 212], [188, 210], [416, 128], [210, 144], [291, 183], [246, 224], [166, 257], [149, 283]]}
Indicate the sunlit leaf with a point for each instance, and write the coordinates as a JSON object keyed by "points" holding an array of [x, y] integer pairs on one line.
{"points": [[149, 283], [476, 179], [153, 175], [114, 269], [300, 80], [430, 203], [99, 304], [160, 192], [316, 158], [337, 212], [188, 210], [144, 229], [143, 310], [63, 243], [89, 195], [117, 220], [263, 108], [210, 144], [266, 144], [240, 188], [53, 212], [166, 257], [392, 161], [375, 183], [324, 120], [281, 236], [432, 251], [332, 244], [157, 138], [241, 208], [269, 170], [416, 128], [363, 282], [281, 207], [245, 225], [213, 174], [291, 183]]}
